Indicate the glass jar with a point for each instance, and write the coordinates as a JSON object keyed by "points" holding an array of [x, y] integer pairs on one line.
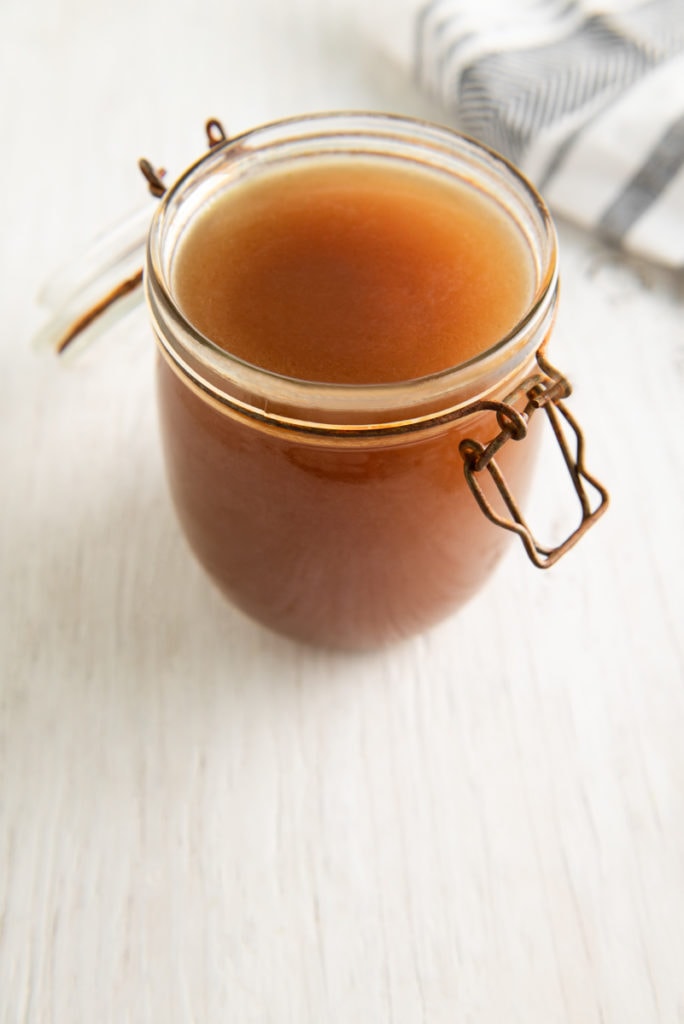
{"points": [[353, 515], [341, 515]]}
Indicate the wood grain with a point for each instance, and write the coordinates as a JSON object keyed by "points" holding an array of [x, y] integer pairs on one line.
{"points": [[202, 822]]}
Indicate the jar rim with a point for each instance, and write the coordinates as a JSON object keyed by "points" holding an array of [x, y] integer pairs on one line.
{"points": [[267, 395]]}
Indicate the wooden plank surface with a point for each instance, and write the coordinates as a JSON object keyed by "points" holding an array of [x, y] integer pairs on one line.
{"points": [[203, 822]]}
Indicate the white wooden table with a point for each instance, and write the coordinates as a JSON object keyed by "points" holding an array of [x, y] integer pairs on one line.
{"points": [[202, 822]]}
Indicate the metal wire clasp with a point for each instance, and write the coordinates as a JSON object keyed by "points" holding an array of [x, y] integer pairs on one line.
{"points": [[215, 133], [547, 394]]}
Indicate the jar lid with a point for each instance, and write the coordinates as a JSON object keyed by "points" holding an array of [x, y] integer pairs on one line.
{"points": [[101, 284], [97, 287]]}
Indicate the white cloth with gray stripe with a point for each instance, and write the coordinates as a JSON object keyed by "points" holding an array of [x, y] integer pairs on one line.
{"points": [[587, 98]]}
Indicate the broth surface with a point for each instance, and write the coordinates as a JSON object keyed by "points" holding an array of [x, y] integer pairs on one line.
{"points": [[357, 272]]}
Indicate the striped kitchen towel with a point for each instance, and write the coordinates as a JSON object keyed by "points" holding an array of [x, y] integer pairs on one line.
{"points": [[586, 97]]}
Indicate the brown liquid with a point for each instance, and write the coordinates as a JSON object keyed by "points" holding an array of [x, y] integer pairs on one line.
{"points": [[350, 273], [353, 273]]}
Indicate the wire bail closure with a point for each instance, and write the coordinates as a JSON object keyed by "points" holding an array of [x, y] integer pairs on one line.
{"points": [[547, 394]]}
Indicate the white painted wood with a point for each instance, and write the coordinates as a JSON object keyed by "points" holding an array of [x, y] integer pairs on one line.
{"points": [[202, 822]]}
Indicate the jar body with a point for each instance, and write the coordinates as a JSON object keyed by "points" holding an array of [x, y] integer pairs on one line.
{"points": [[341, 515], [337, 543]]}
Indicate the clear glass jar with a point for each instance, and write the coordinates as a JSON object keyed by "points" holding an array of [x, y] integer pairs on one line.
{"points": [[352, 515]]}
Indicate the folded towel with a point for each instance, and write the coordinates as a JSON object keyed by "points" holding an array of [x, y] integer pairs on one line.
{"points": [[586, 98]]}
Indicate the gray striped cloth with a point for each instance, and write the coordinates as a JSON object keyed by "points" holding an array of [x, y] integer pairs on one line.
{"points": [[586, 98]]}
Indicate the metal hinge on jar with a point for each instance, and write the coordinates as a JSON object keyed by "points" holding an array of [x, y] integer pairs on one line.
{"points": [[547, 394]]}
